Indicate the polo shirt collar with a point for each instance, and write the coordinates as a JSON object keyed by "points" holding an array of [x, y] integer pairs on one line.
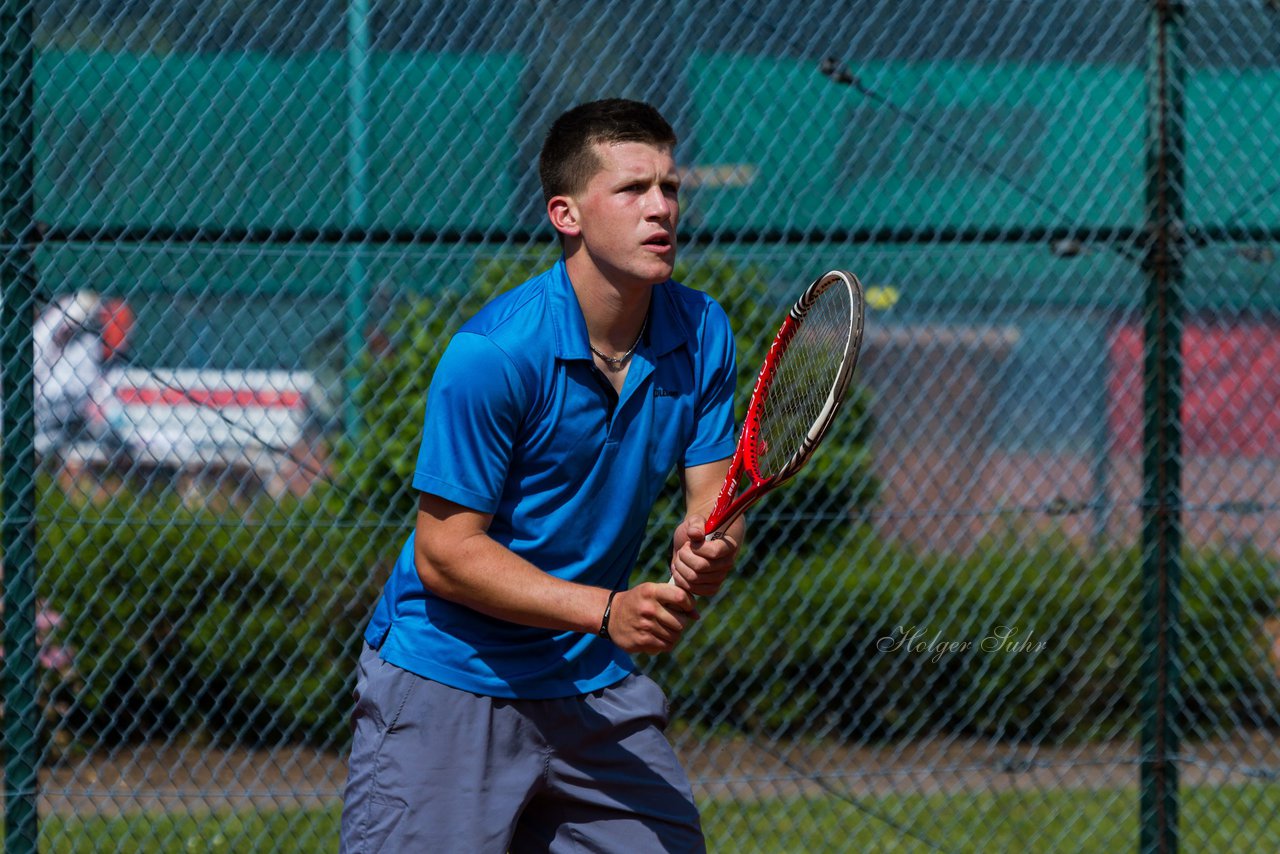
{"points": [[667, 329]]}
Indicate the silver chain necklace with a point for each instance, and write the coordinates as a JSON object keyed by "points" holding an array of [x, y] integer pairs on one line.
{"points": [[616, 364]]}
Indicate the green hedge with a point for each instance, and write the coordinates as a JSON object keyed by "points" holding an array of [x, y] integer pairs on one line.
{"points": [[238, 624], [870, 642], [242, 625]]}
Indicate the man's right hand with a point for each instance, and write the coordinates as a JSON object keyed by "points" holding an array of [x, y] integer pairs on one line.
{"points": [[650, 617]]}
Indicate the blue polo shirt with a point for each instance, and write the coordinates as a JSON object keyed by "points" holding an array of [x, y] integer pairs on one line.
{"points": [[520, 424]]}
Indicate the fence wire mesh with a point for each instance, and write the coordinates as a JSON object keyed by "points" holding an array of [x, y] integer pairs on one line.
{"points": [[252, 226]]}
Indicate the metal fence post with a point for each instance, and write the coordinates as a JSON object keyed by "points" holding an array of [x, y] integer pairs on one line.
{"points": [[357, 204], [1162, 433], [17, 460]]}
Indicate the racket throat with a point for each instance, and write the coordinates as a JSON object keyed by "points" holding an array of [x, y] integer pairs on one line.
{"points": [[723, 506]]}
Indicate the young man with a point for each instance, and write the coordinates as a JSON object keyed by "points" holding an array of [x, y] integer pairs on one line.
{"points": [[498, 708]]}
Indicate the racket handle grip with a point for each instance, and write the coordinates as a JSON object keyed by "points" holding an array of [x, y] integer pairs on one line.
{"points": [[714, 535]]}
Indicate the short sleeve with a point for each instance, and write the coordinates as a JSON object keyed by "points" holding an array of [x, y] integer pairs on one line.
{"points": [[716, 362], [473, 413]]}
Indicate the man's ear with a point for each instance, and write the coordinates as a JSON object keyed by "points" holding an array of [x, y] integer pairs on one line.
{"points": [[564, 215]]}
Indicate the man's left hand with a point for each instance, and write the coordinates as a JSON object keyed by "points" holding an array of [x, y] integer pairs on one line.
{"points": [[700, 564]]}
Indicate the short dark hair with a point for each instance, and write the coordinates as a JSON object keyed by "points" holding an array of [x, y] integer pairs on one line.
{"points": [[568, 158]]}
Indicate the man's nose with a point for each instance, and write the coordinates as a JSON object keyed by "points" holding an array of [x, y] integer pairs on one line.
{"points": [[659, 205]]}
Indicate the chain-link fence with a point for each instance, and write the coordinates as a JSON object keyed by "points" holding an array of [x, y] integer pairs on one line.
{"points": [[1026, 600]]}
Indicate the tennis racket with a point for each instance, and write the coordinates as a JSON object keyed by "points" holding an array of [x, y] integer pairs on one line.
{"points": [[798, 391]]}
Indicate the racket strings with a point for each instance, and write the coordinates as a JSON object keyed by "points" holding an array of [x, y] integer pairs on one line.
{"points": [[803, 380]]}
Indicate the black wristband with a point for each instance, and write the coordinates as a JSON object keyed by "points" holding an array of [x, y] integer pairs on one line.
{"points": [[604, 621]]}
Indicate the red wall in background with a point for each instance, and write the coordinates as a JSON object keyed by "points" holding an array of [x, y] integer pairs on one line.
{"points": [[1231, 389]]}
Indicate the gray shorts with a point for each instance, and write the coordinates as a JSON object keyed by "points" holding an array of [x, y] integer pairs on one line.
{"points": [[435, 769]]}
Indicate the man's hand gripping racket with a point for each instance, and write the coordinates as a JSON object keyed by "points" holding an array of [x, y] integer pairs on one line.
{"points": [[798, 391]]}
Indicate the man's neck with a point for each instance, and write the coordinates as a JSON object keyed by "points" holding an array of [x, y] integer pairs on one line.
{"points": [[614, 312]]}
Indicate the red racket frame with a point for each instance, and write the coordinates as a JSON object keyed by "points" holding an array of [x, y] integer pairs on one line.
{"points": [[733, 502]]}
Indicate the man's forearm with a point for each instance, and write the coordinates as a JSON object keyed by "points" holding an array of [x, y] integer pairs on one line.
{"points": [[482, 574]]}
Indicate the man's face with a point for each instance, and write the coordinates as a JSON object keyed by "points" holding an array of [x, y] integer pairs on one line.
{"points": [[627, 214]]}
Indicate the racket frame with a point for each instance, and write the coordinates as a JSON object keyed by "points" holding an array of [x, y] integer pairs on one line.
{"points": [[733, 500]]}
